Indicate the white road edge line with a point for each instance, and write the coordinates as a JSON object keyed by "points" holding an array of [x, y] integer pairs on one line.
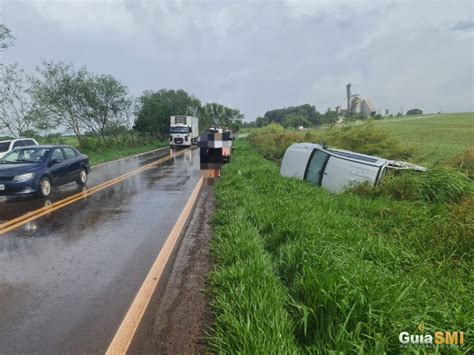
{"points": [[125, 333]]}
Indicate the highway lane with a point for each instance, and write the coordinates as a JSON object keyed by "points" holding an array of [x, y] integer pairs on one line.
{"points": [[14, 206], [68, 278]]}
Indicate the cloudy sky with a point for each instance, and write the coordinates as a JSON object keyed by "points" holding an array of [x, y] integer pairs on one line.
{"points": [[258, 55]]}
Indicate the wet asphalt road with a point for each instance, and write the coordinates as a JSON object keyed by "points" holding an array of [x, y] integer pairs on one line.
{"points": [[68, 278]]}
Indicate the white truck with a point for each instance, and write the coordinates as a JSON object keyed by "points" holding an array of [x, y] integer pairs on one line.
{"points": [[184, 131]]}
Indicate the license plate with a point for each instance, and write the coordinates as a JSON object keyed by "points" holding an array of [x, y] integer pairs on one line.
{"points": [[2, 187]]}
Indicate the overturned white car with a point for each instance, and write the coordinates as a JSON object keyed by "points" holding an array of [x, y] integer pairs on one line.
{"points": [[336, 169]]}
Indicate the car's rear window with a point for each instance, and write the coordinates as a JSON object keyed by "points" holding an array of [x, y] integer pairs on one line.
{"points": [[69, 152], [4, 146], [28, 142]]}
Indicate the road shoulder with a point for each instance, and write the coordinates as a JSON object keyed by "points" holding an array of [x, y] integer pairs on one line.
{"points": [[179, 313]]}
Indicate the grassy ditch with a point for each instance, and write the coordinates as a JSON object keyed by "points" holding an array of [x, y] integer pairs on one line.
{"points": [[301, 270]]}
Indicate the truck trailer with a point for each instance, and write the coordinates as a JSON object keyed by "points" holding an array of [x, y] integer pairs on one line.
{"points": [[184, 131]]}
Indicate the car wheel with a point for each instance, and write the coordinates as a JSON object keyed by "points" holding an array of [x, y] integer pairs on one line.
{"points": [[82, 177], [45, 187]]}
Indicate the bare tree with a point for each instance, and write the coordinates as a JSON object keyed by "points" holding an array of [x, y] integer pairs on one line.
{"points": [[108, 105], [17, 106], [6, 37], [59, 91]]}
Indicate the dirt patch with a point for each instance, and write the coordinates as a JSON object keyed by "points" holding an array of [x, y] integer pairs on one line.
{"points": [[179, 314]]}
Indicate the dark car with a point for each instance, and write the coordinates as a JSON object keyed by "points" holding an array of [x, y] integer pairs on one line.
{"points": [[38, 169]]}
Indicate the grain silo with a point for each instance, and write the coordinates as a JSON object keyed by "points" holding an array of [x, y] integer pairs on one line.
{"points": [[367, 108], [356, 105]]}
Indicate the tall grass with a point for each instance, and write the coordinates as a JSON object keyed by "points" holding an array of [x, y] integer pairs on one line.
{"points": [[273, 140], [299, 269]]}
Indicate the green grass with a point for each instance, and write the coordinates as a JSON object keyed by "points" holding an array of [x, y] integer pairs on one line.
{"points": [[99, 154], [437, 139], [105, 155], [445, 140], [301, 270]]}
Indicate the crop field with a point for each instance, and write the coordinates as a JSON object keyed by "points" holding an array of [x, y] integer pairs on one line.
{"points": [[436, 139], [301, 270]]}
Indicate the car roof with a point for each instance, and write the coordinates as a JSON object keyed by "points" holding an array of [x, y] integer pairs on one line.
{"points": [[48, 146]]}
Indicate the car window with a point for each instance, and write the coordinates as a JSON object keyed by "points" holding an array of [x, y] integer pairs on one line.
{"points": [[17, 144], [314, 172], [4, 146], [69, 153], [26, 155], [28, 142], [57, 154]]}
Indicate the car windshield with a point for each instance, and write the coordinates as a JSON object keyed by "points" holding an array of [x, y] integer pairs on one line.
{"points": [[4, 146], [179, 130], [26, 155]]}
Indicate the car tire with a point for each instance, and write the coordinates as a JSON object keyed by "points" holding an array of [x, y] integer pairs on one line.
{"points": [[82, 180], [45, 187]]}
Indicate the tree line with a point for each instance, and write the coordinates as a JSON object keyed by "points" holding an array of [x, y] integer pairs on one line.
{"points": [[59, 96], [303, 115]]}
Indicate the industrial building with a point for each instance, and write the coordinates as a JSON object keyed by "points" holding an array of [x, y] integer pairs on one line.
{"points": [[356, 105]]}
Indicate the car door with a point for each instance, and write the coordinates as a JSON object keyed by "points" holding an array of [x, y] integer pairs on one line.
{"points": [[73, 164], [315, 168], [58, 170]]}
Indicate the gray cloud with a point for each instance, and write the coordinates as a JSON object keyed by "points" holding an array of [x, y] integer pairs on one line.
{"points": [[464, 26], [259, 55]]}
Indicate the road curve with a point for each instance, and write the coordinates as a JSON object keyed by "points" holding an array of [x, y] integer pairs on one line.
{"points": [[68, 278]]}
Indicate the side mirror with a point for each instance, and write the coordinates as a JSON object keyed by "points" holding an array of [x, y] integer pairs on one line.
{"points": [[56, 161]]}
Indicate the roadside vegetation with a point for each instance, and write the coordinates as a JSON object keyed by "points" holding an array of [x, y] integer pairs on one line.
{"points": [[440, 141], [301, 270], [59, 102]]}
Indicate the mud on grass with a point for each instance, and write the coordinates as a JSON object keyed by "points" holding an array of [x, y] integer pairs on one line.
{"points": [[301, 270]]}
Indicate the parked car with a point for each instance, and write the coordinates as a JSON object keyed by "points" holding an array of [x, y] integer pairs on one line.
{"points": [[9, 145], [39, 169], [336, 169]]}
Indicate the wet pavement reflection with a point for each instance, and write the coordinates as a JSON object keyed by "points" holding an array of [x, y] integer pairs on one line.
{"points": [[67, 278]]}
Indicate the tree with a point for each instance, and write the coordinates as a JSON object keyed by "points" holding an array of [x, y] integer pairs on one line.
{"points": [[6, 37], [17, 107], [60, 93], [262, 121], [295, 120], [108, 105], [214, 114], [155, 108], [414, 111], [329, 117], [307, 111]]}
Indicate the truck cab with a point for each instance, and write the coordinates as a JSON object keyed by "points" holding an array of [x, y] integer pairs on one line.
{"points": [[184, 131]]}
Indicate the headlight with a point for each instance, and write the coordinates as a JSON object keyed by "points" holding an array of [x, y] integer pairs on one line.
{"points": [[24, 177]]}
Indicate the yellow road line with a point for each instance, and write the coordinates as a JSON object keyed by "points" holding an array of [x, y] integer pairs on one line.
{"points": [[30, 216], [125, 333]]}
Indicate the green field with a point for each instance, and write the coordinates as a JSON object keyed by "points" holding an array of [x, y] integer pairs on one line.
{"points": [[437, 139], [301, 270]]}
